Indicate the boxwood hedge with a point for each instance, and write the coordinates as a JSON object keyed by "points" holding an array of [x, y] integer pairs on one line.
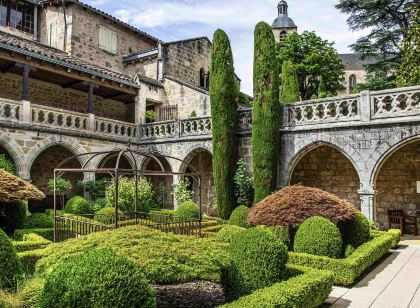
{"points": [[304, 287], [47, 233]]}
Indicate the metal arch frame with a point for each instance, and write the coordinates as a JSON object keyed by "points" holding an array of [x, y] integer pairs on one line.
{"points": [[117, 172]]}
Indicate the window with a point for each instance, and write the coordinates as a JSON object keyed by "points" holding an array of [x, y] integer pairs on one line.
{"points": [[352, 82], [17, 15], [203, 79], [108, 40], [52, 34]]}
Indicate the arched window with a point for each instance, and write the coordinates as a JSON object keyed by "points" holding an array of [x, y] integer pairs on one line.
{"points": [[283, 35], [203, 78], [352, 82]]}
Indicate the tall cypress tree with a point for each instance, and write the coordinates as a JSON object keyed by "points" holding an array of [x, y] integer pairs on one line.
{"points": [[289, 90], [266, 112], [223, 95]]}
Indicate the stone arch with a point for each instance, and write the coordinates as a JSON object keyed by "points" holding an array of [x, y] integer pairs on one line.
{"points": [[326, 166], [14, 151]]}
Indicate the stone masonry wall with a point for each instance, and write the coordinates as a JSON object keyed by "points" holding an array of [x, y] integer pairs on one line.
{"points": [[329, 170]]}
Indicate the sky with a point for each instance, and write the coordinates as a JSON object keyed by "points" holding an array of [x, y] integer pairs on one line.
{"points": [[170, 20]]}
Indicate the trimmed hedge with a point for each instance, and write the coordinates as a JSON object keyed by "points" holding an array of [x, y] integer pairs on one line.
{"points": [[98, 278], [258, 260], [188, 210], [38, 220], [10, 268], [355, 232], [318, 236], [77, 205], [395, 234], [304, 287], [346, 271], [12, 216], [239, 216], [228, 233], [47, 233], [31, 241], [29, 258], [106, 215]]}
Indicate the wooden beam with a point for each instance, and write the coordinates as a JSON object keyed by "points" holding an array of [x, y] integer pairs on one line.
{"points": [[70, 84], [113, 96]]}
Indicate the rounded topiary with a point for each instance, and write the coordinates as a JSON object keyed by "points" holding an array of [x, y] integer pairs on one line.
{"points": [[12, 216], [10, 267], [239, 216], [77, 205], [188, 210], [318, 236], [258, 260], [356, 232], [98, 278], [106, 215], [228, 232]]}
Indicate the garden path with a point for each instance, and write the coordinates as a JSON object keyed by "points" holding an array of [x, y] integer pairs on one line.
{"points": [[394, 283]]}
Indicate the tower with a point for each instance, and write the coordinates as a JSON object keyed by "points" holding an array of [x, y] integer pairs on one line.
{"points": [[283, 24]]}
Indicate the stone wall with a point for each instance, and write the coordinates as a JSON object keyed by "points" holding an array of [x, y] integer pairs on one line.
{"points": [[146, 68], [396, 183], [183, 60], [360, 78], [328, 169]]}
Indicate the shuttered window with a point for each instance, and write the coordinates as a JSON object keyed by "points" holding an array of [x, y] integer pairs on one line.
{"points": [[108, 40], [52, 34]]}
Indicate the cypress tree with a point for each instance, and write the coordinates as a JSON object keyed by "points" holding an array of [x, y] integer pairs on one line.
{"points": [[223, 93], [289, 91], [322, 90], [266, 112]]}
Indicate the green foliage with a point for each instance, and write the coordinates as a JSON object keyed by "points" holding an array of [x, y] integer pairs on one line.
{"points": [[258, 261], [282, 233], [395, 235], [243, 99], [228, 232], [38, 220], [62, 187], [318, 236], [314, 96], [376, 82], [168, 258], [182, 191], [239, 216], [188, 209], [151, 115], [322, 89], [47, 233], [266, 112], [127, 194], [223, 94], [304, 287], [31, 243], [29, 258], [98, 278], [162, 199], [7, 164], [10, 267], [25, 296], [348, 251], [313, 57], [289, 89], [356, 231], [244, 184], [95, 188], [98, 204], [106, 215], [193, 114], [347, 271], [409, 71], [77, 205], [12, 216]]}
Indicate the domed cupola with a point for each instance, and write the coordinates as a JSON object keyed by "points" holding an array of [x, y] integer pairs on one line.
{"points": [[283, 21]]}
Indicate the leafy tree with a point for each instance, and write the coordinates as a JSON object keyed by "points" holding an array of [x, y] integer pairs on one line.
{"points": [[409, 72], [244, 186], [182, 191], [62, 186], [388, 22], [289, 89], [313, 57], [322, 89], [266, 112], [223, 97]]}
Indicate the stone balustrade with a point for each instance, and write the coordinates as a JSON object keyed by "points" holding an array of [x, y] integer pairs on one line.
{"points": [[166, 129], [59, 118], [10, 110], [195, 127], [115, 128], [395, 103]]}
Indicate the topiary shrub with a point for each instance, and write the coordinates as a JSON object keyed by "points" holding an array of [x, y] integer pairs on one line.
{"points": [[10, 267], [239, 216], [228, 232], [258, 260], [318, 236], [106, 215], [98, 278], [98, 204], [188, 210], [355, 232], [12, 216], [77, 205], [38, 220]]}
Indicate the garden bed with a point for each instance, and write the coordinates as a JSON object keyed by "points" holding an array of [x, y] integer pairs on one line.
{"points": [[348, 270]]}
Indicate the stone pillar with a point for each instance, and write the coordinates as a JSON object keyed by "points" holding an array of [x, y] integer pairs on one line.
{"points": [[26, 112], [365, 108], [90, 98], [367, 199], [25, 92], [140, 106], [91, 125]]}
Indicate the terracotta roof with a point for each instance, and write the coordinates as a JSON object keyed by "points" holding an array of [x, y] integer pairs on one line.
{"points": [[59, 57], [357, 61]]}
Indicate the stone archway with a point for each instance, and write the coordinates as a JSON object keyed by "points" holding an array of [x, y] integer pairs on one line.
{"points": [[395, 182], [110, 161], [325, 167]]}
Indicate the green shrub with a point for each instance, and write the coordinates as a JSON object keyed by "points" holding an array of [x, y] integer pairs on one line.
{"points": [[127, 194], [356, 231], [182, 191], [7, 164], [244, 184], [29, 258], [282, 233], [347, 271], [168, 258], [96, 189], [25, 296], [12, 216], [304, 287], [228, 232], [318, 236], [258, 261], [106, 215], [38, 220], [98, 205], [97, 279], [47, 233], [50, 212], [239, 216], [188, 210], [395, 235], [31, 241], [348, 250], [10, 268], [77, 205]]}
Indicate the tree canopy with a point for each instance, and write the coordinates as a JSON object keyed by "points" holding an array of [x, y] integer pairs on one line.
{"points": [[313, 58]]}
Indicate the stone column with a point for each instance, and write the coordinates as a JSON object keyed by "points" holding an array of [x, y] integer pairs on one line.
{"points": [[140, 106], [367, 198], [365, 108], [90, 108], [26, 71]]}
